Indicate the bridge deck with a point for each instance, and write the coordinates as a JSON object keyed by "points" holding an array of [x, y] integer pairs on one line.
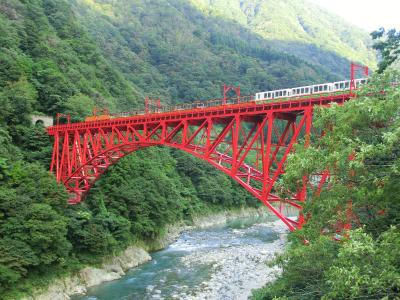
{"points": [[244, 109]]}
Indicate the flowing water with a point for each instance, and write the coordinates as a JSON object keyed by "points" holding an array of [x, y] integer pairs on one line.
{"points": [[221, 262]]}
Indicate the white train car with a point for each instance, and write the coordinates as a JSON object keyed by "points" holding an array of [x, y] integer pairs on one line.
{"points": [[322, 88], [302, 90], [341, 85], [273, 94]]}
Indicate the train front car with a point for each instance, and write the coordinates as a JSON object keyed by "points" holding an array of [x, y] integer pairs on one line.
{"points": [[264, 96]]}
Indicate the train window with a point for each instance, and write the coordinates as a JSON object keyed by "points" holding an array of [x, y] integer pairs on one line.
{"points": [[306, 90], [302, 90], [284, 93], [325, 87], [347, 84], [315, 89], [265, 95]]}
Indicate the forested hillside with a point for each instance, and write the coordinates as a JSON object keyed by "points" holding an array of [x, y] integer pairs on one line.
{"points": [[300, 28], [67, 56], [170, 49], [361, 151]]}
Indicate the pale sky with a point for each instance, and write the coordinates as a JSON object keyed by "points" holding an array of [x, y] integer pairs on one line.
{"points": [[366, 14]]}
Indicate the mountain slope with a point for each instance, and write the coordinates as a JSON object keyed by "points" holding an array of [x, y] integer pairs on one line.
{"points": [[298, 27], [42, 42], [170, 49]]}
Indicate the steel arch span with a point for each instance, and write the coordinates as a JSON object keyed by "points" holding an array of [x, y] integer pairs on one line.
{"points": [[250, 142]]}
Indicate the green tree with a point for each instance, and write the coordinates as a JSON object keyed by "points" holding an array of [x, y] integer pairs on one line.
{"points": [[366, 267], [79, 106], [388, 45], [19, 100]]}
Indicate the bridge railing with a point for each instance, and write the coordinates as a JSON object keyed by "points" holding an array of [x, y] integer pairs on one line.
{"points": [[195, 105], [188, 106]]}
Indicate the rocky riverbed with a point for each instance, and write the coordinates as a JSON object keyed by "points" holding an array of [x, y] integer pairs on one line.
{"points": [[236, 270], [221, 262]]}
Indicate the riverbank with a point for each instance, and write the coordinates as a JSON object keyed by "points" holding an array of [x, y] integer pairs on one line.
{"points": [[115, 267]]}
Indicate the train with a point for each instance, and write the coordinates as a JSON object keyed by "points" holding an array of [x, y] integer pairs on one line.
{"points": [[322, 88]]}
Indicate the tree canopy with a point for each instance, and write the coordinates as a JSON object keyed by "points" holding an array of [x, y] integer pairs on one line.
{"points": [[388, 45]]}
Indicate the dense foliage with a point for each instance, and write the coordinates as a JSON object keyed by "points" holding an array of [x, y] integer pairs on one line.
{"points": [[364, 262], [170, 49]]}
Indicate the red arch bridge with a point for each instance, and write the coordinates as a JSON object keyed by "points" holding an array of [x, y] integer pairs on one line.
{"points": [[246, 139], [249, 141]]}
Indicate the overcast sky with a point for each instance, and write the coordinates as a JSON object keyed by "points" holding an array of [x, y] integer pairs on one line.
{"points": [[367, 14]]}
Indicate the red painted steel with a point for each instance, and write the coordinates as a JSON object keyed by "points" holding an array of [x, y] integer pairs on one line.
{"points": [[249, 141], [353, 69], [227, 89]]}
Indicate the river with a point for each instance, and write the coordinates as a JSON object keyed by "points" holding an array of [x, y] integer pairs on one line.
{"points": [[220, 262]]}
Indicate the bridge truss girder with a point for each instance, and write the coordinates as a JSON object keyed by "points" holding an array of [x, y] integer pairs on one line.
{"points": [[249, 142], [250, 149]]}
